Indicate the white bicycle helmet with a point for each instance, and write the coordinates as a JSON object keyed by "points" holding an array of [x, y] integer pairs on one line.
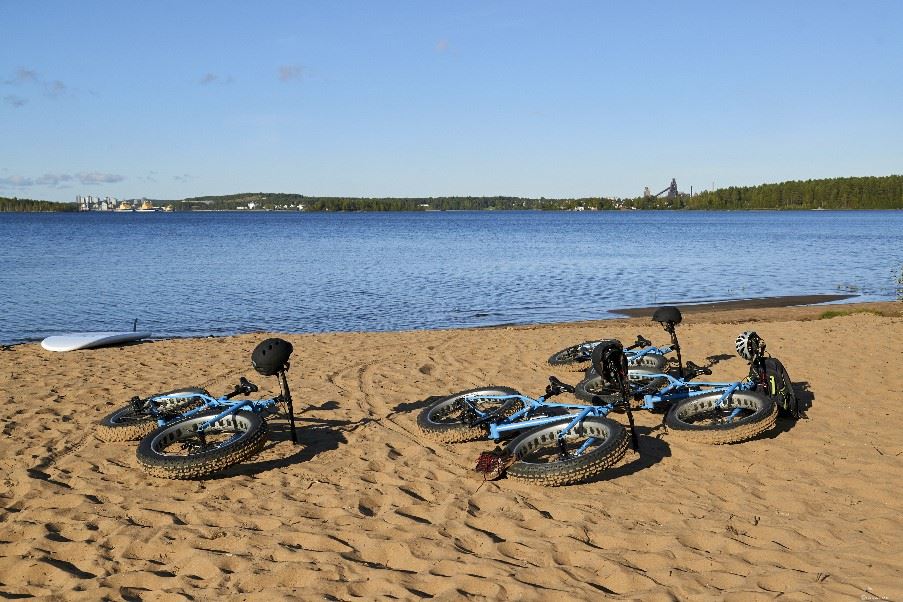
{"points": [[748, 344]]}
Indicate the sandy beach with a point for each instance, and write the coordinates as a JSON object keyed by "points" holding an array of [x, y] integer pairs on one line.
{"points": [[366, 507]]}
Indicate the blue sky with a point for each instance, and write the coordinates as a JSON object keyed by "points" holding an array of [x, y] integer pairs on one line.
{"points": [[558, 99]]}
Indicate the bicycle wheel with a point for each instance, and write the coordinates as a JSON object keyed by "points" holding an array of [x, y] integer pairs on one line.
{"points": [[653, 362], [594, 390], [539, 458], [742, 416], [178, 451], [130, 423], [445, 421], [575, 354]]}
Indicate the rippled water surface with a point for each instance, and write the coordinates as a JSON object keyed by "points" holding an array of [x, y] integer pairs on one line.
{"points": [[195, 274]]}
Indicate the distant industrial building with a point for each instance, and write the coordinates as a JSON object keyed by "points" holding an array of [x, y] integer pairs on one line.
{"points": [[95, 203]]}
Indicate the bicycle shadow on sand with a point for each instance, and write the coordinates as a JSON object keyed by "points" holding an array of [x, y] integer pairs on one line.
{"points": [[315, 436], [804, 399], [652, 450], [410, 406]]}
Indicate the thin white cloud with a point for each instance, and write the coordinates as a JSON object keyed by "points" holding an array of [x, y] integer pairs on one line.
{"points": [[14, 101], [53, 179], [55, 88], [210, 78], [29, 78], [289, 73], [96, 177], [16, 182], [60, 180], [23, 76]]}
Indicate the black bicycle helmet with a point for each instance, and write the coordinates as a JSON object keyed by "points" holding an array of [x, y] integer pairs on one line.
{"points": [[610, 362], [271, 356], [669, 313]]}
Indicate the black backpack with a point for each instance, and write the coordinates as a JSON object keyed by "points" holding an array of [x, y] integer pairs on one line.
{"points": [[775, 383]]}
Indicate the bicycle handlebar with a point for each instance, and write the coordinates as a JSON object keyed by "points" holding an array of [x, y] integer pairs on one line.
{"points": [[640, 342], [692, 370], [244, 387], [555, 387]]}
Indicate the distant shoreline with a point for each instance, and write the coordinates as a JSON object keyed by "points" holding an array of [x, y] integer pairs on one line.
{"points": [[788, 301], [840, 193], [729, 304]]}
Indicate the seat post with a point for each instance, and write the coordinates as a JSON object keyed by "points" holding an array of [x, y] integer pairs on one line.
{"points": [[676, 344], [287, 396], [625, 399]]}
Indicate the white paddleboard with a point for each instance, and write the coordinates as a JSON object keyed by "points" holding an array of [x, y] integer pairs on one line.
{"points": [[87, 340]]}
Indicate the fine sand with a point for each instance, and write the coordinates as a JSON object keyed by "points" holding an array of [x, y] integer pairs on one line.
{"points": [[368, 508]]}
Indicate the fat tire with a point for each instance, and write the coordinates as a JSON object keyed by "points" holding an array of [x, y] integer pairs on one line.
{"points": [[653, 362], [252, 438], [455, 431], [570, 470], [568, 356], [682, 415], [128, 424], [590, 390]]}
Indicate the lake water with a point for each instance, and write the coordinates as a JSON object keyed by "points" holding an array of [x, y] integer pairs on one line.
{"points": [[197, 274]]}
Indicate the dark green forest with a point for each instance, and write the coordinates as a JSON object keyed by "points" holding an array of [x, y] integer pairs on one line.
{"points": [[16, 204], [834, 193], [884, 192]]}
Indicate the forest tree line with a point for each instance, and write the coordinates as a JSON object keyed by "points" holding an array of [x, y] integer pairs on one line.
{"points": [[834, 193], [884, 192], [17, 204]]}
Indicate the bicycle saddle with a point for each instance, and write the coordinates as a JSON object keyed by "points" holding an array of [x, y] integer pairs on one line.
{"points": [[669, 313], [271, 356], [610, 362]]}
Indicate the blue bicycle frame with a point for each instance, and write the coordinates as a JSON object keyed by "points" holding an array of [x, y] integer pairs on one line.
{"points": [[227, 404], [679, 389], [676, 390]]}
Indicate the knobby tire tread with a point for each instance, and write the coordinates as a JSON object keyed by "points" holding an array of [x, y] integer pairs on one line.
{"points": [[108, 430], [193, 467], [574, 470], [458, 432], [723, 434]]}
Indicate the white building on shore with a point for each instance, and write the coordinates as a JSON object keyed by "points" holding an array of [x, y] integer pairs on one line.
{"points": [[96, 203]]}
